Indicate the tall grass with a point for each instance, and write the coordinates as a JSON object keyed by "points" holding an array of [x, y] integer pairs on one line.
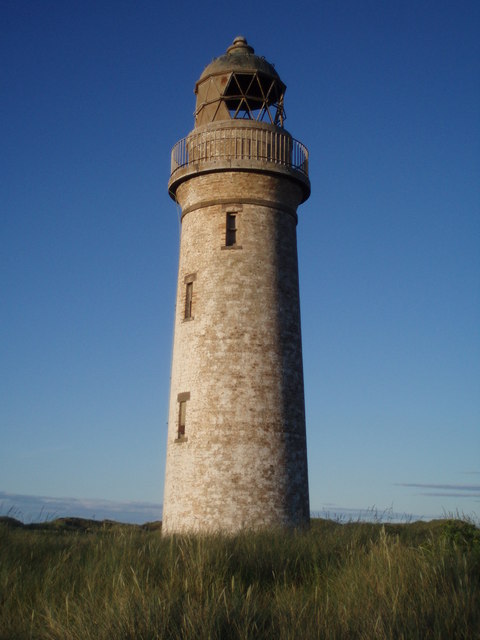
{"points": [[360, 580]]}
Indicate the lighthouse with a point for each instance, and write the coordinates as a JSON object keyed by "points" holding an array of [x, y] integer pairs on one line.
{"points": [[236, 450]]}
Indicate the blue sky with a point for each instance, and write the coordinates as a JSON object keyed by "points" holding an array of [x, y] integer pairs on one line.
{"points": [[386, 97]]}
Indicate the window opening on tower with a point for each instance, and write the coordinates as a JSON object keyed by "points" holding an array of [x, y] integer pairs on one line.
{"points": [[231, 230], [188, 310], [188, 300], [182, 415]]}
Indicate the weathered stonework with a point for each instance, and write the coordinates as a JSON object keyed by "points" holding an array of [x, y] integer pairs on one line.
{"points": [[236, 454]]}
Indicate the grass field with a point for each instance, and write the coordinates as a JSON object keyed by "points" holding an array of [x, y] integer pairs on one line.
{"points": [[73, 579]]}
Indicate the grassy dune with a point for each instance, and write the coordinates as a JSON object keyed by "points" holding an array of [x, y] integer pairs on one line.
{"points": [[80, 580]]}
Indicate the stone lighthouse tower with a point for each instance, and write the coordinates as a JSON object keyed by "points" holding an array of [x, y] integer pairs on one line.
{"points": [[236, 453]]}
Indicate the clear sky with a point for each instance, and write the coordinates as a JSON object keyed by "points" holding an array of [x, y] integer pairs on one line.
{"points": [[386, 97]]}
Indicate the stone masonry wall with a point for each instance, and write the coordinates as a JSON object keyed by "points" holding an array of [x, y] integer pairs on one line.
{"points": [[237, 362]]}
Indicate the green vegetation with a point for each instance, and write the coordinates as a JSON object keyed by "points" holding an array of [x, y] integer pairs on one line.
{"points": [[78, 580]]}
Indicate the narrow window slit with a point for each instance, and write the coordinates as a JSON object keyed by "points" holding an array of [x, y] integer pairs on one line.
{"points": [[182, 400], [231, 230], [188, 300], [182, 414]]}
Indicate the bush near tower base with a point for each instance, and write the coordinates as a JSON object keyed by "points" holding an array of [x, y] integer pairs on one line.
{"points": [[356, 580]]}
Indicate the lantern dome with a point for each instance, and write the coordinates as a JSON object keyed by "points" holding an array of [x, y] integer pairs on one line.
{"points": [[239, 85]]}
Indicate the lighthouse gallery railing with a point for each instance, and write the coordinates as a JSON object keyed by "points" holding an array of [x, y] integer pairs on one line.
{"points": [[240, 143]]}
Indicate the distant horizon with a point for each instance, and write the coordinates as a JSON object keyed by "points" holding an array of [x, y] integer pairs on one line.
{"points": [[32, 509]]}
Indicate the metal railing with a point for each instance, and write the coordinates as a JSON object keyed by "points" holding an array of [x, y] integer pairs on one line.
{"points": [[240, 143]]}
